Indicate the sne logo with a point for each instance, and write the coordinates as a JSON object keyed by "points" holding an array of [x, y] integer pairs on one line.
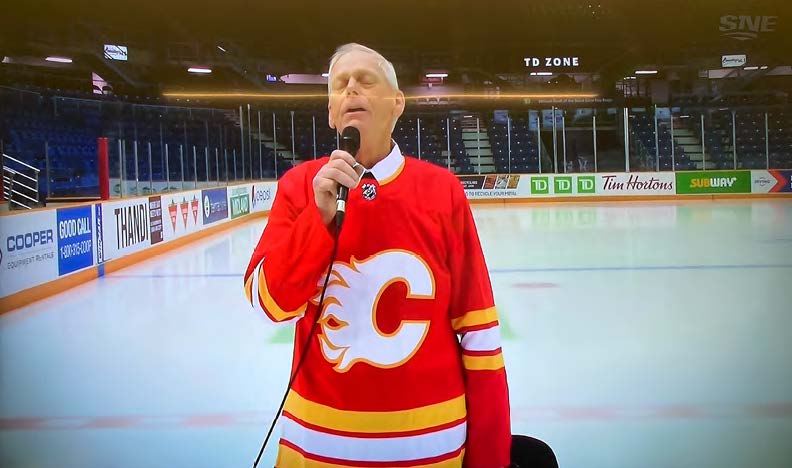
{"points": [[744, 28]]}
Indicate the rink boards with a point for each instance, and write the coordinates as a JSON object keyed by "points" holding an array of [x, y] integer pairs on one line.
{"points": [[44, 246]]}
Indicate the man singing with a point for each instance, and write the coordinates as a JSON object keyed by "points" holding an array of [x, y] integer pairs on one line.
{"points": [[405, 366]]}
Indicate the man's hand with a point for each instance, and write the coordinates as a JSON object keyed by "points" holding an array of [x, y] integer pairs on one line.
{"points": [[338, 170]]}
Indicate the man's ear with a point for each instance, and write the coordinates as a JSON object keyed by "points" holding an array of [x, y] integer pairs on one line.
{"points": [[398, 108], [330, 116]]}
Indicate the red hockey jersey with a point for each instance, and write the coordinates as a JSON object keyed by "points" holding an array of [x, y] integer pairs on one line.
{"points": [[405, 368]]}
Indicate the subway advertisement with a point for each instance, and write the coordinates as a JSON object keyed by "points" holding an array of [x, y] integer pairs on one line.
{"points": [[713, 182]]}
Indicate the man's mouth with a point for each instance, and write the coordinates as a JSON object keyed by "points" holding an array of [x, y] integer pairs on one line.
{"points": [[353, 110]]}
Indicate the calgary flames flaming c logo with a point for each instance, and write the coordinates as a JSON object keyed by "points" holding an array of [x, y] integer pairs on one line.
{"points": [[349, 318]]}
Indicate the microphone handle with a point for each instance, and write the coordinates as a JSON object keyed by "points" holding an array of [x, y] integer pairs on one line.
{"points": [[343, 195], [341, 200]]}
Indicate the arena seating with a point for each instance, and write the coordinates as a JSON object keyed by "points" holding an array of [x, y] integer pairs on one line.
{"points": [[643, 129], [524, 147], [67, 130]]}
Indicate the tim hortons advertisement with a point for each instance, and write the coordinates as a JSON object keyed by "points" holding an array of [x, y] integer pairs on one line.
{"points": [[657, 183], [28, 252]]}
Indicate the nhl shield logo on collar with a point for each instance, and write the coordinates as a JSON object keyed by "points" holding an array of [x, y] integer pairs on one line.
{"points": [[369, 191]]}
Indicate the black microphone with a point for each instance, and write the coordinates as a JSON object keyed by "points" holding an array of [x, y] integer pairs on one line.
{"points": [[350, 142]]}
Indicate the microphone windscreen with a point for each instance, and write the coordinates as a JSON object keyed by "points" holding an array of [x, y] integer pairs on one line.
{"points": [[350, 140]]}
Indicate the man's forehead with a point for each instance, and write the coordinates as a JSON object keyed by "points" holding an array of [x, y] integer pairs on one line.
{"points": [[357, 60]]}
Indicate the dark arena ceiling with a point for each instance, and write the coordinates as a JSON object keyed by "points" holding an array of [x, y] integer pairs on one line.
{"points": [[494, 37]]}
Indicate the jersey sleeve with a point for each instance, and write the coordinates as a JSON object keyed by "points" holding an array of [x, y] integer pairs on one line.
{"points": [[291, 254], [475, 320]]}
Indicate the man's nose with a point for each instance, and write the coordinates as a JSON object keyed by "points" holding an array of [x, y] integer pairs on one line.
{"points": [[352, 87]]}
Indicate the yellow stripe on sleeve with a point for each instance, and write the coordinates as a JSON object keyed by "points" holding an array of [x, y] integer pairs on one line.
{"points": [[483, 362], [474, 318], [269, 304]]}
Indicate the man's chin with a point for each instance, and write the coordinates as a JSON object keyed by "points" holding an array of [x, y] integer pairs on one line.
{"points": [[358, 122]]}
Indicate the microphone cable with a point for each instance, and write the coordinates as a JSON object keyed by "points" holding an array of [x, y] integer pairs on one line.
{"points": [[350, 142], [307, 343]]}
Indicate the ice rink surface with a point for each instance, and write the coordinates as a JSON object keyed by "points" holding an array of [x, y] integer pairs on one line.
{"points": [[635, 335]]}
